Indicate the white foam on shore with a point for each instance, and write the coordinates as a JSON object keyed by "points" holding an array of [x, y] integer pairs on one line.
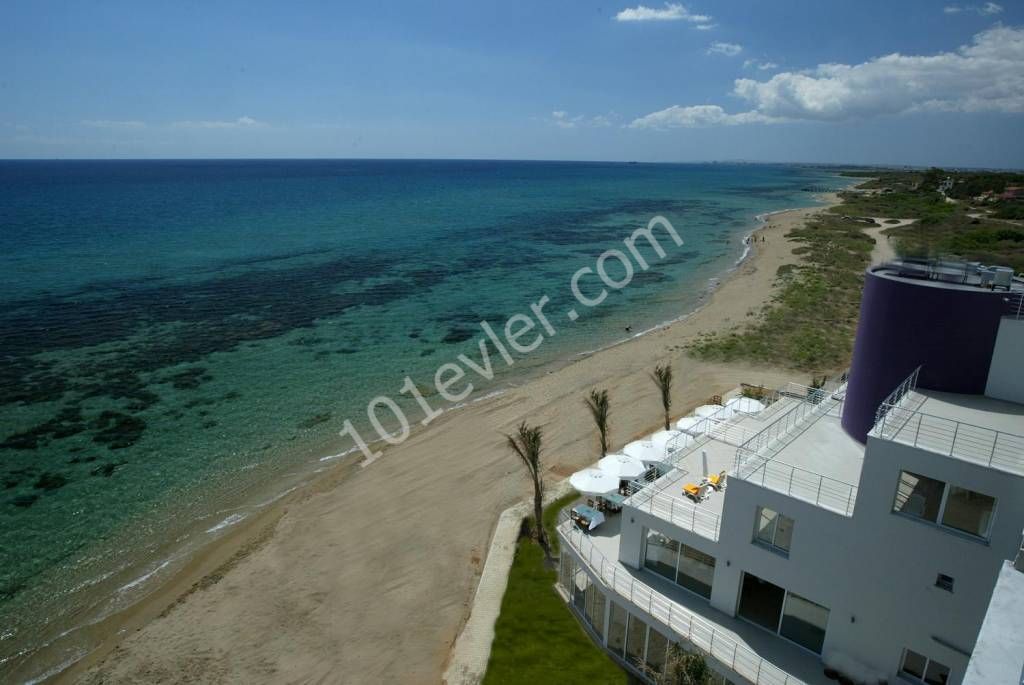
{"points": [[226, 523], [144, 577]]}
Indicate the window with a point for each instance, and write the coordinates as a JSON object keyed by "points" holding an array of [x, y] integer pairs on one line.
{"points": [[944, 582], [682, 564], [919, 496], [595, 609], [636, 636], [662, 555], [793, 617], [922, 669], [773, 530], [617, 629], [657, 650], [804, 622], [948, 505], [696, 571], [968, 511]]}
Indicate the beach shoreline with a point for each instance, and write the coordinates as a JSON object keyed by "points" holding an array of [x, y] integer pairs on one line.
{"points": [[125, 646]]}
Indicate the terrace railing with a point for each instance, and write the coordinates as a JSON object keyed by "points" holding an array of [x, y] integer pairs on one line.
{"points": [[897, 396], [681, 512], [701, 633], [985, 446], [1014, 305], [825, 492]]}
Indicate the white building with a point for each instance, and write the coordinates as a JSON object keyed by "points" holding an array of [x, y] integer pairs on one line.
{"points": [[874, 556]]}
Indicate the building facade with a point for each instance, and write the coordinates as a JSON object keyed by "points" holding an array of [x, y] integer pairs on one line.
{"points": [[863, 525]]}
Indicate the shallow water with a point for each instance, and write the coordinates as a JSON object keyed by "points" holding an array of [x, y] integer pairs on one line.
{"points": [[177, 338]]}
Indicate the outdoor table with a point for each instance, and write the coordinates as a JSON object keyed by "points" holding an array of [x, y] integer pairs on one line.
{"points": [[615, 500], [592, 516]]}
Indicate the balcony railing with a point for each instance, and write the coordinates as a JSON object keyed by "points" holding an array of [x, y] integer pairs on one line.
{"points": [[718, 644], [801, 483], [768, 442], [1014, 305], [952, 438], [681, 512]]}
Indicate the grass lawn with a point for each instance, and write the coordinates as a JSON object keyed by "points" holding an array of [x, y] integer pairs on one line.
{"points": [[537, 639]]}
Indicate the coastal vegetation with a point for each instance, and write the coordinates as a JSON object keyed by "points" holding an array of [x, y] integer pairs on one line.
{"points": [[600, 411], [536, 638], [662, 377], [810, 322]]}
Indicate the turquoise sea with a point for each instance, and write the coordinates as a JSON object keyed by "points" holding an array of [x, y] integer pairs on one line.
{"points": [[181, 341]]}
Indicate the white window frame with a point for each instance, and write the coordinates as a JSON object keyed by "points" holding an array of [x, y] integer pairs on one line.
{"points": [[771, 546], [946, 486]]}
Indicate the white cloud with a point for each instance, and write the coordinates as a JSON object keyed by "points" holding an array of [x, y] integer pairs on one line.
{"points": [[670, 12], [563, 119], [697, 116], [759, 65], [986, 10], [727, 49], [108, 123], [240, 122], [986, 75]]}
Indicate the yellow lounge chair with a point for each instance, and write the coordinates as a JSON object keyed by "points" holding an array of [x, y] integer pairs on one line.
{"points": [[717, 481]]}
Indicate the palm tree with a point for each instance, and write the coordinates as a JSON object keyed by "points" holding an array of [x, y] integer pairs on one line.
{"points": [[662, 377], [597, 403], [526, 443]]}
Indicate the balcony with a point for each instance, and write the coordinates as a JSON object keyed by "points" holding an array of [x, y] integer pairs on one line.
{"points": [[751, 652]]}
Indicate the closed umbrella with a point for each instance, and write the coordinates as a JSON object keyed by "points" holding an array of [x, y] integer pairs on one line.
{"points": [[745, 405], [622, 467], [594, 482]]}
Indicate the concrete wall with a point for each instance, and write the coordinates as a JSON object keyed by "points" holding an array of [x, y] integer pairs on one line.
{"points": [[1006, 375]]}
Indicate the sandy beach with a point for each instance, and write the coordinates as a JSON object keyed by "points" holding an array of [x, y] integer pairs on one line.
{"points": [[366, 574]]}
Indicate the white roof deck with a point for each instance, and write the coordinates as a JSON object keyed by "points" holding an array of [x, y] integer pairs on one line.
{"points": [[753, 652], [973, 428], [795, 446]]}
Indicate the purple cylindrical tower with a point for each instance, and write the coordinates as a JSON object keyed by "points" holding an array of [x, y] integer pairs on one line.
{"points": [[948, 329]]}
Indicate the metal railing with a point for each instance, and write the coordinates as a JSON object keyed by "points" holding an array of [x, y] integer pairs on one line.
{"points": [[766, 443], [966, 441], [720, 645], [825, 492], [681, 512], [1014, 305], [895, 398]]}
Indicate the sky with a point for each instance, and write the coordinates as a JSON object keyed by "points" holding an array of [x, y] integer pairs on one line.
{"points": [[917, 82]]}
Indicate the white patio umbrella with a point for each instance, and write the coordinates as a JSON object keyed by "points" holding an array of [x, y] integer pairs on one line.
{"points": [[745, 405], [694, 425], [621, 466], [643, 450], [663, 439], [594, 482], [706, 410]]}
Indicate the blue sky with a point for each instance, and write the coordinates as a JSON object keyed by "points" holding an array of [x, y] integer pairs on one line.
{"points": [[914, 81]]}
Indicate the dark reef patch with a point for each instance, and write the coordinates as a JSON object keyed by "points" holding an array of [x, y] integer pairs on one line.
{"points": [[189, 379], [315, 420], [117, 430], [50, 481], [458, 335]]}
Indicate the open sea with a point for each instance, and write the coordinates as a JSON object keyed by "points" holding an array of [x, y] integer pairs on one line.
{"points": [[182, 341]]}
